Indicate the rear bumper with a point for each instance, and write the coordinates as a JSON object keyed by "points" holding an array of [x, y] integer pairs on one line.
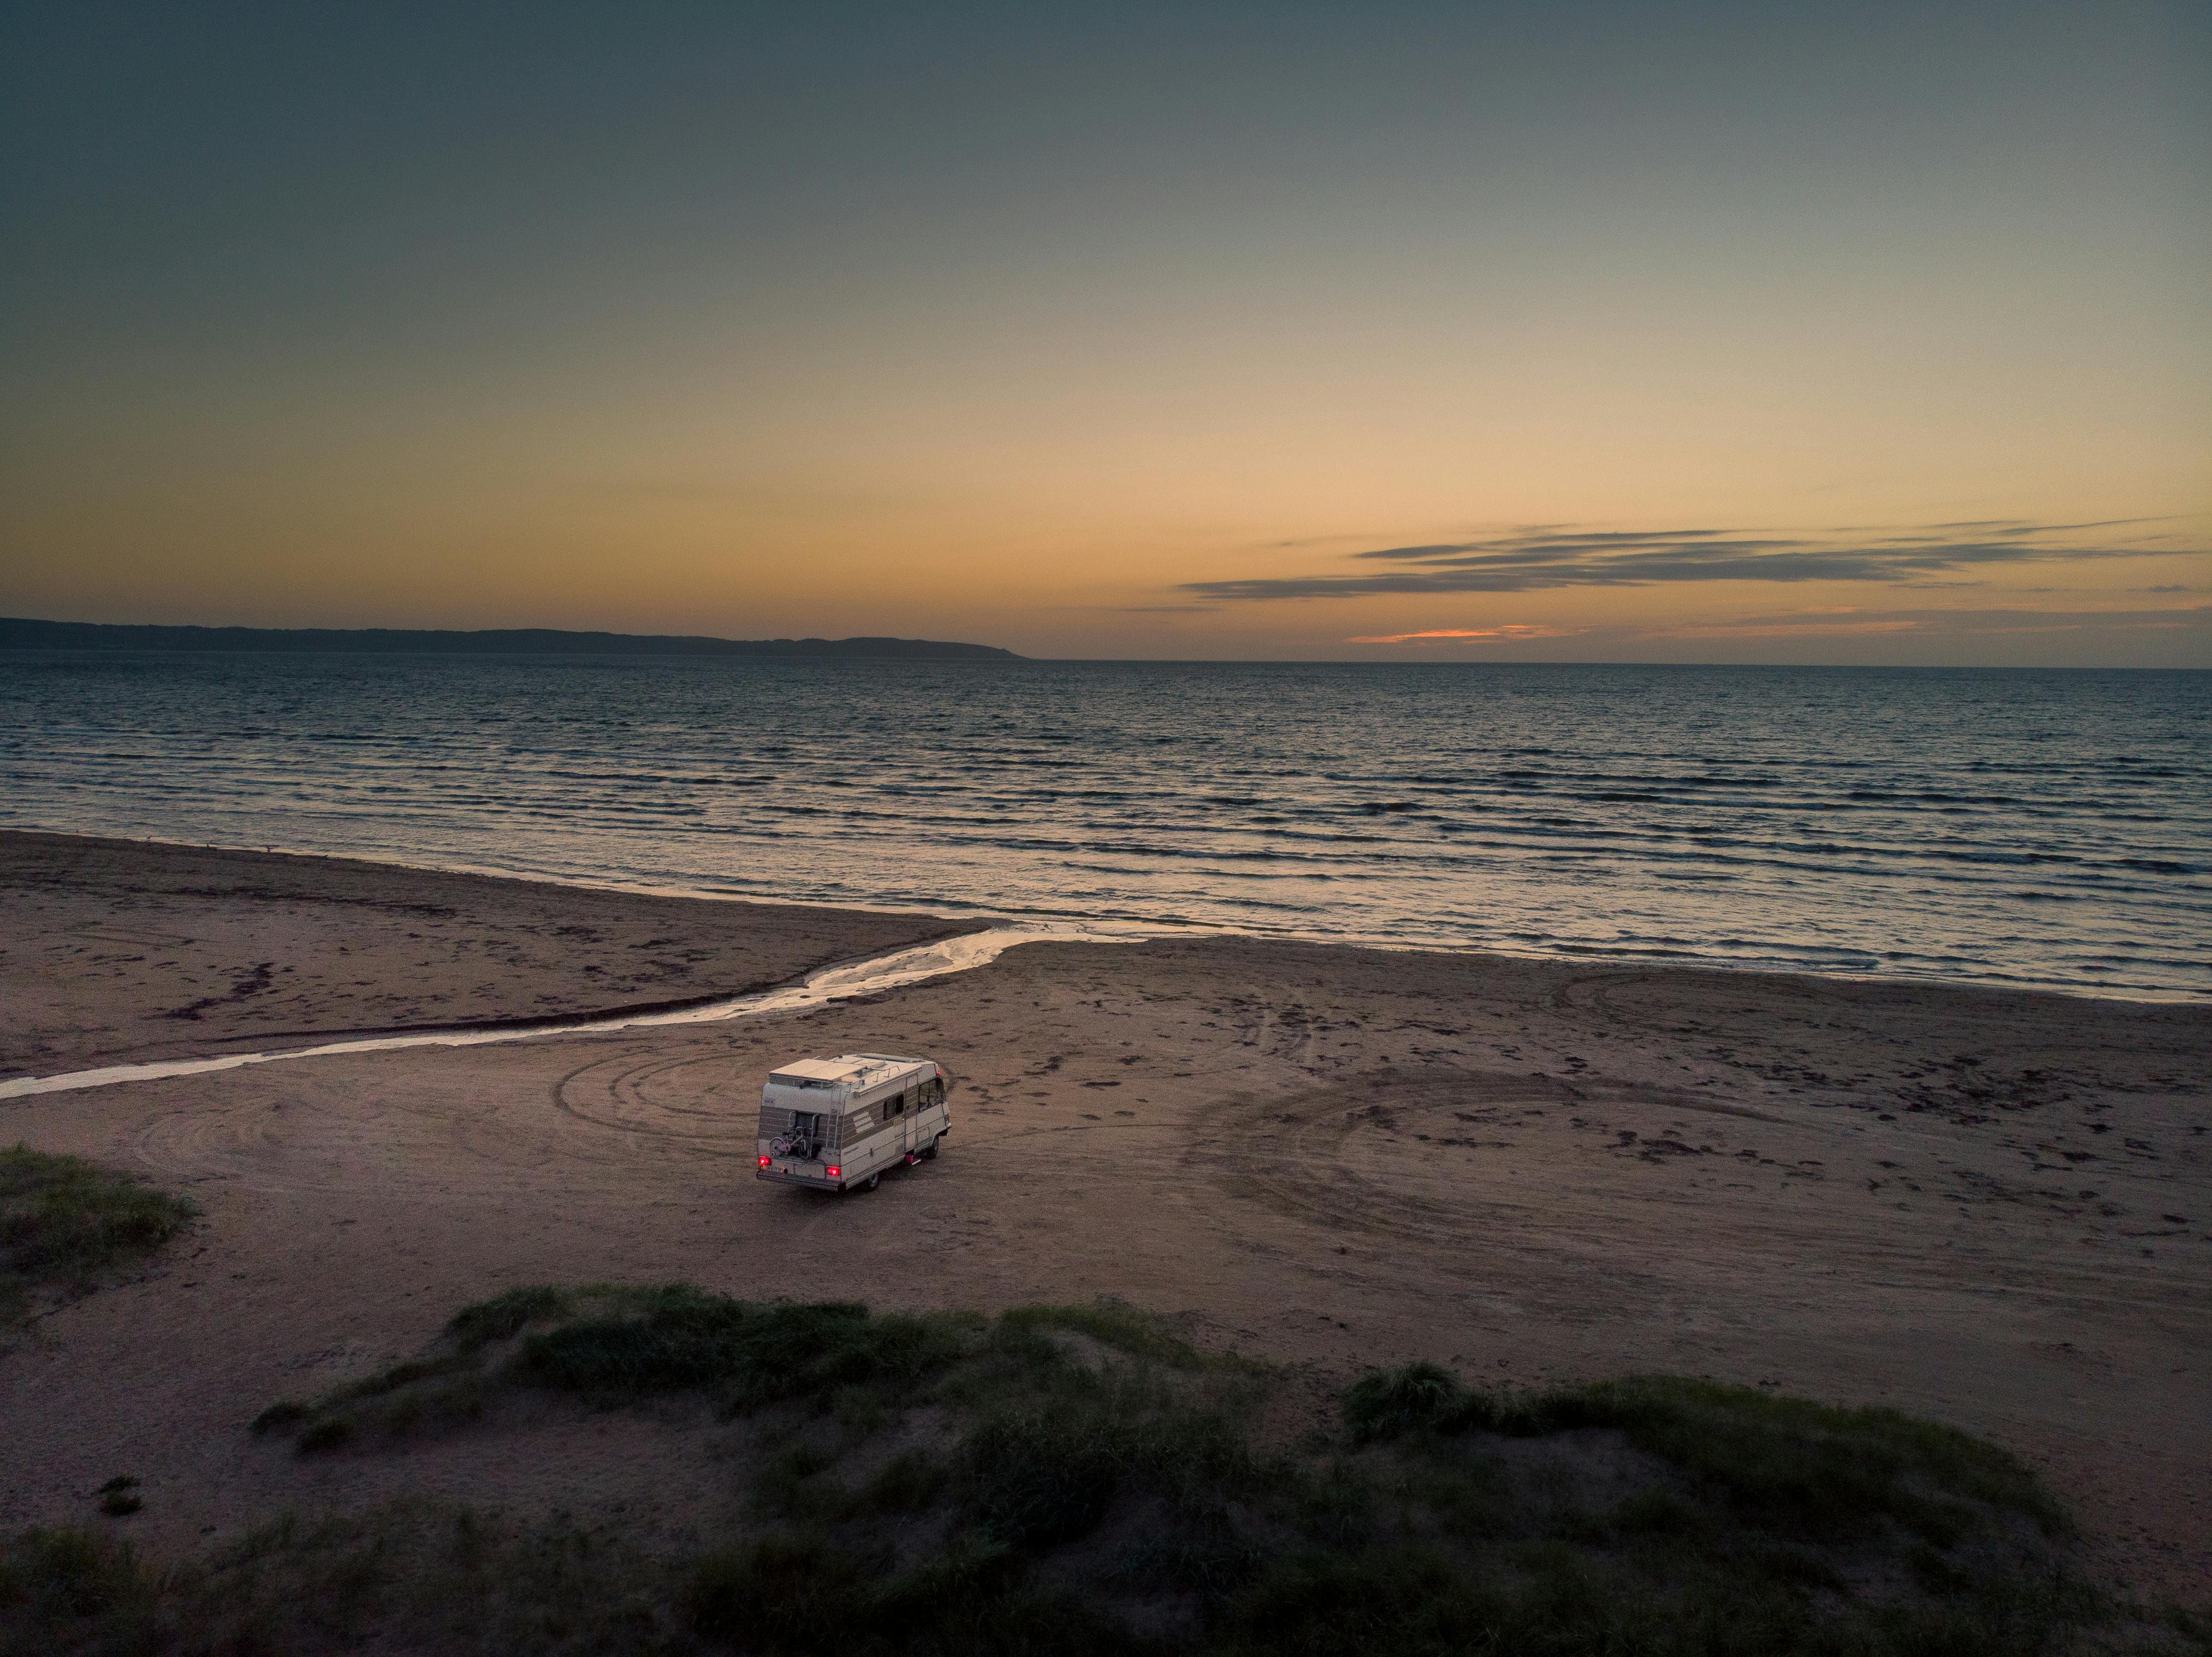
{"points": [[802, 1174], [791, 1177]]}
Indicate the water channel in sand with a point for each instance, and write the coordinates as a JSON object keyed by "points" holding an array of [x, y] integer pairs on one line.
{"points": [[833, 983]]}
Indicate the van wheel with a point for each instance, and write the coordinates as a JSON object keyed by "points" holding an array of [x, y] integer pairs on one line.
{"points": [[930, 1149], [874, 1180]]}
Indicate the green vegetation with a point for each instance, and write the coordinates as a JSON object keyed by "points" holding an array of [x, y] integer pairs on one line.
{"points": [[410, 1577], [119, 1498], [65, 1223], [1080, 1479], [617, 1345], [1825, 1474], [70, 1587]]}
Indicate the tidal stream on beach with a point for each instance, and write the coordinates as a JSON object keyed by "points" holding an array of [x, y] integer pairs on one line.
{"points": [[2049, 828], [843, 983]]}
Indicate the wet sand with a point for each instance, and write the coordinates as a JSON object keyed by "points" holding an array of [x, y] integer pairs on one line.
{"points": [[1990, 1207], [118, 951]]}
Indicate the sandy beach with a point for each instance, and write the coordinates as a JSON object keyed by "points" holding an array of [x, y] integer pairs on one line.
{"points": [[122, 951], [1991, 1208]]}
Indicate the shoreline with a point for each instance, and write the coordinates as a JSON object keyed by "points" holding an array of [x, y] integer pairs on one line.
{"points": [[128, 951], [861, 978], [977, 918], [473, 871]]}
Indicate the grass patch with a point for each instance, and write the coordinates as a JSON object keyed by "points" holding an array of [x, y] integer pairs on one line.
{"points": [[1034, 1480], [287, 1412], [1069, 1479], [330, 1433], [626, 1344], [1806, 1468], [66, 1224], [505, 1316], [1113, 1324], [799, 1593], [119, 1498], [52, 1581], [909, 1482], [411, 1576]]}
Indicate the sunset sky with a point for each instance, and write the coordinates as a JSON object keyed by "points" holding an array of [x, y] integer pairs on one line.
{"points": [[1786, 333]]}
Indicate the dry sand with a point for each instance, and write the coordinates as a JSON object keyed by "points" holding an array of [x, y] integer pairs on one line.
{"points": [[1990, 1207]]}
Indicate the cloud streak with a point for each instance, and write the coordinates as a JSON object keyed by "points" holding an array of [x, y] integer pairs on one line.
{"points": [[1543, 556], [1510, 632], [1845, 621], [1835, 621]]}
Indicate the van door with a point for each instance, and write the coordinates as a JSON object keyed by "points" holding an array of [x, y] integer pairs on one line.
{"points": [[934, 1112]]}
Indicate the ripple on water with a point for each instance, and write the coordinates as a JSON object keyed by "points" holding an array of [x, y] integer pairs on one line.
{"points": [[2014, 827]]}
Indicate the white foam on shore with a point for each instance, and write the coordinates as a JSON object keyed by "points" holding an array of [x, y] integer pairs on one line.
{"points": [[903, 966]]}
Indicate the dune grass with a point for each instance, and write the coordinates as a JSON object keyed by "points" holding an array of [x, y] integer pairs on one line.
{"points": [[66, 1224], [1826, 1473], [1082, 1479], [405, 1576]]}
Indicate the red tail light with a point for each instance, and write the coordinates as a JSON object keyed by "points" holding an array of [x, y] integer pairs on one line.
{"points": [[832, 1172], [764, 1161]]}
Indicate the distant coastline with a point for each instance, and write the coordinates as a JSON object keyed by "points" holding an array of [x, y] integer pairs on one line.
{"points": [[18, 633]]}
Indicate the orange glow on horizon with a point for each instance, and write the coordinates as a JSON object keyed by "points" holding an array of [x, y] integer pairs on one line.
{"points": [[1125, 346]]}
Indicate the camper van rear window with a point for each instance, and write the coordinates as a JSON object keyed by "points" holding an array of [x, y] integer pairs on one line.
{"points": [[800, 1081]]}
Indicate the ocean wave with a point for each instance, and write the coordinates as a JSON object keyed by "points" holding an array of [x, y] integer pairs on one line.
{"points": [[2030, 828]]}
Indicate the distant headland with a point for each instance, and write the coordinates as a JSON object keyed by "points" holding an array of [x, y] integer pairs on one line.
{"points": [[20, 634]]}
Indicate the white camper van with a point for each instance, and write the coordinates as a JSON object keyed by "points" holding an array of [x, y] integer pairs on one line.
{"points": [[836, 1123]]}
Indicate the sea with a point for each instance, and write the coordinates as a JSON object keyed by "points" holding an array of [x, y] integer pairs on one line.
{"points": [[2050, 829]]}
